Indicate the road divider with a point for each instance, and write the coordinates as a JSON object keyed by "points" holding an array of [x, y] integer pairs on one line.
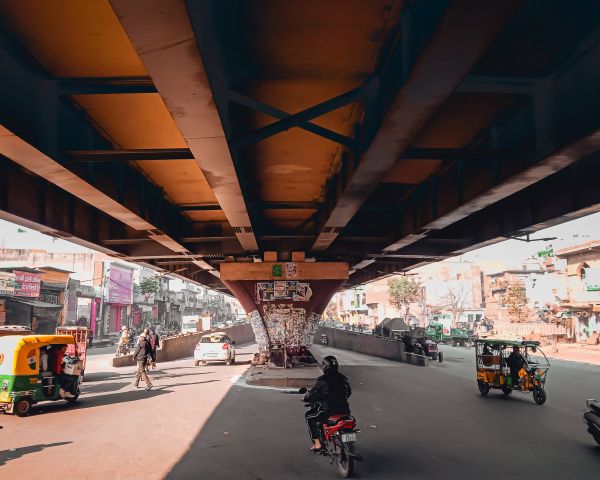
{"points": [[370, 345]]}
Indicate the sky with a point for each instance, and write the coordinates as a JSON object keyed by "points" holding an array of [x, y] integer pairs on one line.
{"points": [[508, 252]]}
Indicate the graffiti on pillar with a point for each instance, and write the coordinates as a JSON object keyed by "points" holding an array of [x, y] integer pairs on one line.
{"points": [[285, 324], [311, 329], [258, 327], [283, 290]]}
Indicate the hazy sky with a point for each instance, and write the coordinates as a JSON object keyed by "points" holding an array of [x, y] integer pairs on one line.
{"points": [[511, 251]]}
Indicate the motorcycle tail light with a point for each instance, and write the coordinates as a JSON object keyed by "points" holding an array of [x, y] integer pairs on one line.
{"points": [[225, 346]]}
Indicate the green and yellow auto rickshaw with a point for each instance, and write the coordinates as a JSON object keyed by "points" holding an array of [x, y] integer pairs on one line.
{"points": [[493, 372], [25, 376]]}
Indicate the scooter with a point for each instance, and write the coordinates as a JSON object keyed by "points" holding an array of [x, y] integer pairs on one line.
{"points": [[338, 438], [591, 417], [324, 339]]}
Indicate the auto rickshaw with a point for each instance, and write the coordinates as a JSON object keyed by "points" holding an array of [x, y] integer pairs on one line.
{"points": [[493, 371], [23, 382]]}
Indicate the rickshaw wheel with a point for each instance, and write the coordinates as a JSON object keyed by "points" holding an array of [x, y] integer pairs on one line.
{"points": [[539, 395], [72, 399], [484, 389], [440, 357], [23, 407], [506, 390]]}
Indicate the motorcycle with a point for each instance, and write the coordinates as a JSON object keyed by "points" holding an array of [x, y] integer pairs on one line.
{"points": [[338, 438], [591, 418], [324, 339], [123, 349]]}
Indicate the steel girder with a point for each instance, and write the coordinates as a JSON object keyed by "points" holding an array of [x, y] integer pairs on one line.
{"points": [[565, 124], [432, 79], [565, 195], [38, 123]]}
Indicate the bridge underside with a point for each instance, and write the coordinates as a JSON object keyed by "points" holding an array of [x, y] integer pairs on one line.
{"points": [[384, 134]]}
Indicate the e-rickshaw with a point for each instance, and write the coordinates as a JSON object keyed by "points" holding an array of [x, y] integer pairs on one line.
{"points": [[493, 371], [24, 382]]}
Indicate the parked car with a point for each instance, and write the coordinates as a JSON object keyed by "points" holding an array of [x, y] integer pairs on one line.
{"points": [[214, 347]]}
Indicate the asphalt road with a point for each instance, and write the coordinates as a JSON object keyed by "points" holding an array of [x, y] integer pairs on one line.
{"points": [[417, 423], [203, 423]]}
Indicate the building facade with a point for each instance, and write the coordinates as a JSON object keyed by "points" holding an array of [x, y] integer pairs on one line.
{"points": [[582, 307]]}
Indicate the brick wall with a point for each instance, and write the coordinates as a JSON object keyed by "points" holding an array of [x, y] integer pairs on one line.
{"points": [[182, 346]]}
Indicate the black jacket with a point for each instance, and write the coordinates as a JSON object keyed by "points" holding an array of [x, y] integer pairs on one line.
{"points": [[515, 361], [154, 341], [331, 392], [142, 351]]}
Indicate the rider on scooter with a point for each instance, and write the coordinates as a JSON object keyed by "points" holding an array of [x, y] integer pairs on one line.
{"points": [[329, 397]]}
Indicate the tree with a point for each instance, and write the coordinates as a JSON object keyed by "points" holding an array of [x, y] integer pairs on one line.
{"points": [[455, 300], [404, 291], [516, 301], [148, 286], [331, 311]]}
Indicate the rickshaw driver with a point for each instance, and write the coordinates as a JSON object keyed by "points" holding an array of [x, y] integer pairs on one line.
{"points": [[56, 358], [515, 362]]}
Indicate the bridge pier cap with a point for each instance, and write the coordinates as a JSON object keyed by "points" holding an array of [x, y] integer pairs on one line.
{"points": [[284, 300]]}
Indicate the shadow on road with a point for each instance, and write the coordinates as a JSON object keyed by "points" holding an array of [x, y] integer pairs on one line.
{"points": [[103, 387], [98, 401], [159, 387], [13, 454]]}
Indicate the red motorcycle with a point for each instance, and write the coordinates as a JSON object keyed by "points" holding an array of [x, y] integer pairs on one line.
{"points": [[338, 438]]}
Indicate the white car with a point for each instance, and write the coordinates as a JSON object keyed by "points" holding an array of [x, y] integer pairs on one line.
{"points": [[214, 347]]}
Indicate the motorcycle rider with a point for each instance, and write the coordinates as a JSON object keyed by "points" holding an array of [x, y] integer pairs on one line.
{"points": [[328, 397]]}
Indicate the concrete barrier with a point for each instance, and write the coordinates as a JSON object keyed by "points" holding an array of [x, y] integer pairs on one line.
{"points": [[370, 345], [182, 346]]}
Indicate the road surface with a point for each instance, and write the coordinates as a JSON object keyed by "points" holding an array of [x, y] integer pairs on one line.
{"points": [[202, 423]]}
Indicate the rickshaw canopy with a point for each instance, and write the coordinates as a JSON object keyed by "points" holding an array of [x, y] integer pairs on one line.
{"points": [[19, 354], [508, 343]]}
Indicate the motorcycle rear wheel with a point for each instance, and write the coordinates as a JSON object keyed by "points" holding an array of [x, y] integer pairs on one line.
{"points": [[344, 462]]}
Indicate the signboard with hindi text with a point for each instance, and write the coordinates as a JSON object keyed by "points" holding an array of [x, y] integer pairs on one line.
{"points": [[28, 284]]}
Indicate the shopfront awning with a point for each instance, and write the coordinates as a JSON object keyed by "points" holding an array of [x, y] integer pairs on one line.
{"points": [[34, 303]]}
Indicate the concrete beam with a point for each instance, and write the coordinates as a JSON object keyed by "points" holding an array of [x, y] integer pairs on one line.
{"points": [[264, 271], [161, 33]]}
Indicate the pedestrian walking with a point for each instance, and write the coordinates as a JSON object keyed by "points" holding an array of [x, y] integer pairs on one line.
{"points": [[141, 354], [154, 339]]}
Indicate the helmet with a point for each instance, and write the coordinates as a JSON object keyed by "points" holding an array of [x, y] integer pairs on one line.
{"points": [[329, 364], [124, 327]]}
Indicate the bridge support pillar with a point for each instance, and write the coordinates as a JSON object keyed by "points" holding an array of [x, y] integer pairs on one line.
{"points": [[285, 301]]}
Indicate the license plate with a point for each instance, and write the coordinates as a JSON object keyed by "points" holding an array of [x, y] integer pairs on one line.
{"points": [[348, 437]]}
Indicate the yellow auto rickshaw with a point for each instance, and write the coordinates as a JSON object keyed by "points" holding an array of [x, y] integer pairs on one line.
{"points": [[492, 357], [27, 375]]}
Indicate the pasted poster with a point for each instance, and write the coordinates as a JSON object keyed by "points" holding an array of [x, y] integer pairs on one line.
{"points": [[303, 293], [283, 290], [279, 290], [291, 270]]}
